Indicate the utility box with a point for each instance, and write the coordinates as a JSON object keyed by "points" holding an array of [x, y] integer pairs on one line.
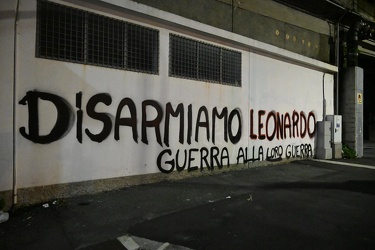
{"points": [[336, 125], [324, 150]]}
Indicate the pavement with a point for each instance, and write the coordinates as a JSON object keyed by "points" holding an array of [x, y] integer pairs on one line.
{"points": [[307, 204]]}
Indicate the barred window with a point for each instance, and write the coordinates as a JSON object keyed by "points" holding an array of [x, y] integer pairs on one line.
{"points": [[61, 32], [192, 59], [231, 68], [105, 42], [208, 62], [140, 48], [69, 34], [183, 57]]}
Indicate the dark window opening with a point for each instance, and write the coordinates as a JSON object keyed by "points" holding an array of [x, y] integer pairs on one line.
{"points": [[140, 48], [69, 34], [61, 32], [231, 67], [209, 62], [105, 42], [183, 57], [192, 59]]}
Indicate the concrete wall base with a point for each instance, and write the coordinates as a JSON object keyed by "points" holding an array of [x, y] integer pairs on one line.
{"points": [[336, 150], [351, 107]]}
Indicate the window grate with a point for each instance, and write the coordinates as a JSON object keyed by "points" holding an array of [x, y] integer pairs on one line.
{"points": [[105, 42], [231, 68], [196, 60], [69, 34], [139, 49], [183, 57], [208, 62], [61, 33]]}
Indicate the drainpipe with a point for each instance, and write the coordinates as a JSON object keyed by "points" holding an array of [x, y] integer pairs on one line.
{"points": [[14, 198], [354, 32], [361, 30], [232, 16], [338, 67], [324, 100], [338, 62]]}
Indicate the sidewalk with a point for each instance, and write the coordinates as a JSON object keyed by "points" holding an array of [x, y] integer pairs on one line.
{"points": [[368, 158], [292, 206]]}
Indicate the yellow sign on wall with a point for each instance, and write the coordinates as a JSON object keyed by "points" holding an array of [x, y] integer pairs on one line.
{"points": [[359, 98]]}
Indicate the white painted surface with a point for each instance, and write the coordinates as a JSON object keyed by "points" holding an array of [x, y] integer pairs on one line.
{"points": [[267, 84], [283, 87], [7, 13]]}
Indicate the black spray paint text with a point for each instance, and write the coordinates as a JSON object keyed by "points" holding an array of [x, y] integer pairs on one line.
{"points": [[274, 154], [197, 159], [270, 125], [193, 124], [205, 120]]}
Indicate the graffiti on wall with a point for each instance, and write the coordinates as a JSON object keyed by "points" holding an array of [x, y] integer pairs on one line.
{"points": [[156, 119], [273, 125], [65, 120], [301, 151], [181, 160]]}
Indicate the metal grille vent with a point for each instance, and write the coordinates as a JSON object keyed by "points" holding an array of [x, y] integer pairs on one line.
{"points": [[192, 59], [69, 34]]}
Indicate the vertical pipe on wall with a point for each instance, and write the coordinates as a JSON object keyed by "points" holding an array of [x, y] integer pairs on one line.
{"points": [[338, 62], [14, 193], [324, 100], [232, 15], [338, 66]]}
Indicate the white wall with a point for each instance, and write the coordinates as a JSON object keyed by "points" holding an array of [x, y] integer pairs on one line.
{"points": [[7, 15], [267, 84], [287, 88]]}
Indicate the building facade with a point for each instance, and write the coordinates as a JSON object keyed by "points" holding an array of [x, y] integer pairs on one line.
{"points": [[97, 95]]}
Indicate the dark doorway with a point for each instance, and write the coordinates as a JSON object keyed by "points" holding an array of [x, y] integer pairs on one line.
{"points": [[368, 64]]}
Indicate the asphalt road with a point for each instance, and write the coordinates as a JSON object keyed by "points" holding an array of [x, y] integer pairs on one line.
{"points": [[327, 208], [302, 205]]}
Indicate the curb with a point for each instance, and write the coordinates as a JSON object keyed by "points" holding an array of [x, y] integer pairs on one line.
{"points": [[130, 242]]}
